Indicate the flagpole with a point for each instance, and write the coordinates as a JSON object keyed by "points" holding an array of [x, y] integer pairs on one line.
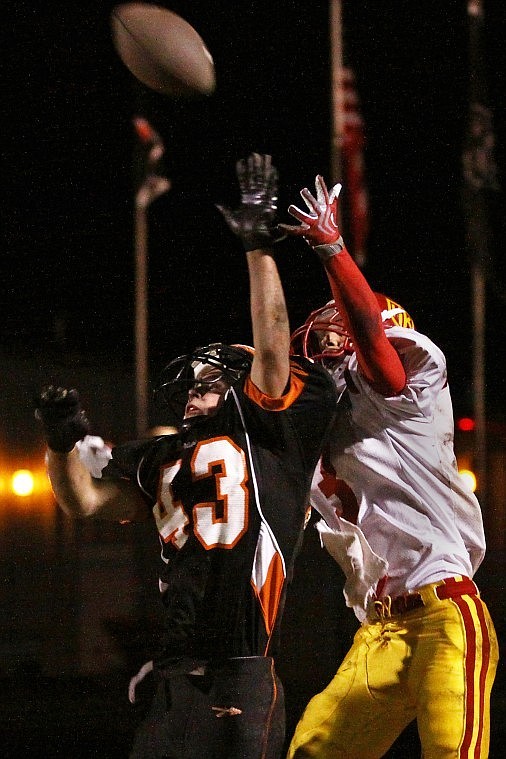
{"points": [[479, 357], [478, 229], [337, 92], [479, 173]]}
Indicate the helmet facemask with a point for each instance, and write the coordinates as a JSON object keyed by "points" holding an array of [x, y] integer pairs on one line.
{"points": [[314, 338], [184, 373], [323, 337]]}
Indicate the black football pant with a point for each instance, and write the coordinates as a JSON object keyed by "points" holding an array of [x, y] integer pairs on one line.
{"points": [[234, 710]]}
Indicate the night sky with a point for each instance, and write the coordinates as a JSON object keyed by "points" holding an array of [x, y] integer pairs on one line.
{"points": [[67, 206]]}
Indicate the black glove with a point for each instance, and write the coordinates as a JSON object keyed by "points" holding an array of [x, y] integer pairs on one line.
{"points": [[254, 222], [63, 419]]}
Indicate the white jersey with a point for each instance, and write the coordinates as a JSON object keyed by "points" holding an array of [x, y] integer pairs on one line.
{"points": [[404, 511]]}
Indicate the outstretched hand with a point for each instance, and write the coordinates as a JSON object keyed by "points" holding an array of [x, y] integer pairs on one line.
{"points": [[63, 419], [319, 227], [254, 221]]}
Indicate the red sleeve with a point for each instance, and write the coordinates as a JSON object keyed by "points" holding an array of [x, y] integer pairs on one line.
{"points": [[377, 358]]}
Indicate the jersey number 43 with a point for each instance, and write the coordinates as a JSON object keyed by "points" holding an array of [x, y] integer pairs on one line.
{"points": [[220, 460]]}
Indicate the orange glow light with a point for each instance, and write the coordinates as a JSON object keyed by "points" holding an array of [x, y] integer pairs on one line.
{"points": [[469, 478], [22, 482]]}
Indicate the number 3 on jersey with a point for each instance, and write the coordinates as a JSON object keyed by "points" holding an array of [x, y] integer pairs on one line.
{"points": [[222, 460]]}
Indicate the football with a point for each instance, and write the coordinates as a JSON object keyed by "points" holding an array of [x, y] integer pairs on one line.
{"points": [[162, 50]]}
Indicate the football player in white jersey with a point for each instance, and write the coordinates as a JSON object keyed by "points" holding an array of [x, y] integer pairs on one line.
{"points": [[406, 531]]}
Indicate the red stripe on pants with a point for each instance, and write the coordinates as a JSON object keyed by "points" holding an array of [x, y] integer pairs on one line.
{"points": [[470, 666]]}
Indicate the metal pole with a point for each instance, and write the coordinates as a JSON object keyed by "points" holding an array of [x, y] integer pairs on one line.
{"points": [[141, 320], [477, 229], [337, 93], [479, 358], [151, 186], [480, 176]]}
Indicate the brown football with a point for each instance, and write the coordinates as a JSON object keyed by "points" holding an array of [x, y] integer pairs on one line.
{"points": [[162, 50]]}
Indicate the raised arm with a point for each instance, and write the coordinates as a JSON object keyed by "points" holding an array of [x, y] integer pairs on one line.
{"points": [[254, 223], [377, 358], [78, 493]]}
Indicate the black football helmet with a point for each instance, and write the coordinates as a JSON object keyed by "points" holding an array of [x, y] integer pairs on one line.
{"points": [[306, 340], [182, 373]]}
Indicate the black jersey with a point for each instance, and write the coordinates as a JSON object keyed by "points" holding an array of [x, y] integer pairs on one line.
{"points": [[229, 497]]}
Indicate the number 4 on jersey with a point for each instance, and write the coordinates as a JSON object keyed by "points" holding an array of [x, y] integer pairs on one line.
{"points": [[222, 460]]}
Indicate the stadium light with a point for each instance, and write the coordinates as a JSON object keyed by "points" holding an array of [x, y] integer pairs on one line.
{"points": [[469, 478], [22, 482]]}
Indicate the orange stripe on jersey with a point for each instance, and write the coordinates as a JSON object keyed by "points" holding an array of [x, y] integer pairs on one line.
{"points": [[477, 660], [297, 381], [269, 594]]}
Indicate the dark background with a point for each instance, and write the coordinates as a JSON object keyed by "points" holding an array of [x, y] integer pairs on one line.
{"points": [[68, 172], [67, 253]]}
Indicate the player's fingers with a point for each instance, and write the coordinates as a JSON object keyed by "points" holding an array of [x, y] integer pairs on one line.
{"points": [[322, 193], [301, 215], [294, 231], [273, 177], [334, 193], [131, 690], [310, 201], [271, 189], [241, 172], [226, 212], [255, 170]]}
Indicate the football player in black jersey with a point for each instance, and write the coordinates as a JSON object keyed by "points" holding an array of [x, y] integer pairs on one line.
{"points": [[229, 495]]}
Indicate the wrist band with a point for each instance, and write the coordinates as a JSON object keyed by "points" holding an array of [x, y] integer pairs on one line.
{"points": [[328, 250]]}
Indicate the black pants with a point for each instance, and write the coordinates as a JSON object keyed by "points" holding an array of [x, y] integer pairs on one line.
{"points": [[234, 710]]}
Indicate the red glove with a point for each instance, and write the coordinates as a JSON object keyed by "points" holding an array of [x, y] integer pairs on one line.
{"points": [[318, 228]]}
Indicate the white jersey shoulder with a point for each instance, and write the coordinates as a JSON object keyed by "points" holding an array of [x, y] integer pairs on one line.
{"points": [[396, 456]]}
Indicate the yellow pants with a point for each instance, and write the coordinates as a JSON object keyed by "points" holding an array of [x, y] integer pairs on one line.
{"points": [[435, 664]]}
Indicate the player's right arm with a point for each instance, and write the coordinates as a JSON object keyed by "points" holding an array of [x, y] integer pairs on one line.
{"points": [[81, 495], [78, 493], [377, 358]]}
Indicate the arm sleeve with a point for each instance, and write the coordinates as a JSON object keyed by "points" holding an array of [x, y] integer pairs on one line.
{"points": [[128, 461], [378, 360]]}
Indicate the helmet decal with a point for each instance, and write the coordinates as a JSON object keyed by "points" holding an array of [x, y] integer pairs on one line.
{"points": [[392, 314]]}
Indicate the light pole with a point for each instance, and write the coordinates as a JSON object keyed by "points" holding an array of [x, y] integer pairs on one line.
{"points": [[337, 93], [480, 176], [152, 185]]}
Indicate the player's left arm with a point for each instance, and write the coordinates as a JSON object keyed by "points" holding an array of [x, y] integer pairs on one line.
{"points": [[378, 360], [254, 223]]}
